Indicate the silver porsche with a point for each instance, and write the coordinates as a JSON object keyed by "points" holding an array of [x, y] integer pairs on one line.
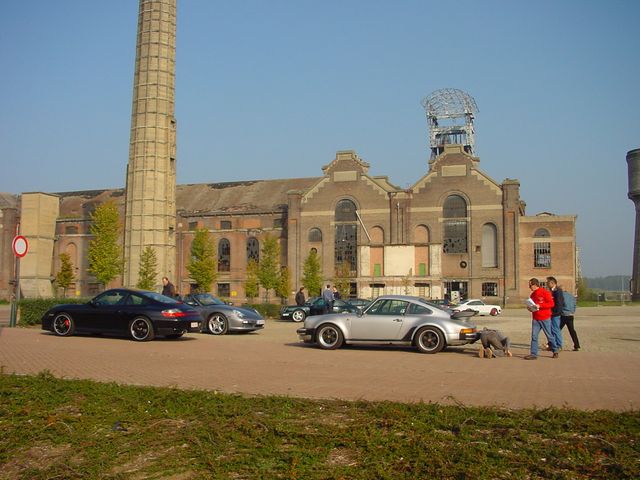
{"points": [[395, 320]]}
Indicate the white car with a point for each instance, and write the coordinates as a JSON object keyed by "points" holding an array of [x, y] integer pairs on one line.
{"points": [[478, 306]]}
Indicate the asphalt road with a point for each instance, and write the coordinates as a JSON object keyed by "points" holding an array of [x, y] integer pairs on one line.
{"points": [[603, 375]]}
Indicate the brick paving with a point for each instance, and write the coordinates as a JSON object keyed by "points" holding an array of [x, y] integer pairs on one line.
{"points": [[603, 375]]}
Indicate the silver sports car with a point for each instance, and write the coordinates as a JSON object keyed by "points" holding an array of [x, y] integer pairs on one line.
{"points": [[220, 318], [392, 319]]}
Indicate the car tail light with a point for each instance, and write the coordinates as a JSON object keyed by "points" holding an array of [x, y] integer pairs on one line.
{"points": [[174, 313]]}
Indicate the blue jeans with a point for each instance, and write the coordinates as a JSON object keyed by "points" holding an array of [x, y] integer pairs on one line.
{"points": [[556, 331], [545, 326]]}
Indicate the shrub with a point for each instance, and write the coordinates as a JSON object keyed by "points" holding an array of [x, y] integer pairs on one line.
{"points": [[267, 310], [32, 309]]}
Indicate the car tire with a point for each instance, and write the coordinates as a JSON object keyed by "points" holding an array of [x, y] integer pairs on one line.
{"points": [[493, 312], [63, 325], [217, 324], [429, 340], [141, 329], [329, 337], [298, 316]]}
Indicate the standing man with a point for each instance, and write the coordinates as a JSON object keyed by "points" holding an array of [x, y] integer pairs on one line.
{"points": [[336, 293], [540, 305], [300, 297], [327, 296], [567, 318], [556, 312], [168, 289]]}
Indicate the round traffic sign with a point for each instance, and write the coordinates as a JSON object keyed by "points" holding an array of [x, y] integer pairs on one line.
{"points": [[20, 246]]}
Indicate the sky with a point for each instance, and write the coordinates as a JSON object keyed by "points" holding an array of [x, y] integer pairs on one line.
{"points": [[273, 88]]}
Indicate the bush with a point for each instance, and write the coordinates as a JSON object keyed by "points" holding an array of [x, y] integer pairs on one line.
{"points": [[32, 309], [267, 310]]}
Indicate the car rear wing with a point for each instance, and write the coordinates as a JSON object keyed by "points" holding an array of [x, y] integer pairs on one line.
{"points": [[463, 314]]}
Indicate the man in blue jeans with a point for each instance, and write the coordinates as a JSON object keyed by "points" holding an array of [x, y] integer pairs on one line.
{"points": [[556, 311], [540, 308]]}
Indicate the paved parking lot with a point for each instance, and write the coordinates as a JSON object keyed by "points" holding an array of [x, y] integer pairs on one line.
{"points": [[603, 375]]}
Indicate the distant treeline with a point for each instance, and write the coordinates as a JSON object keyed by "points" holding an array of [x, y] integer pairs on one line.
{"points": [[612, 283]]}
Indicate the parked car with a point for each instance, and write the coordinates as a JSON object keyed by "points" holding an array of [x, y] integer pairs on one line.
{"points": [[392, 319], [314, 306], [220, 318], [478, 306], [139, 314]]}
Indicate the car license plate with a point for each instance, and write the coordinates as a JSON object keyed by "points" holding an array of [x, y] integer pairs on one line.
{"points": [[194, 324], [260, 322]]}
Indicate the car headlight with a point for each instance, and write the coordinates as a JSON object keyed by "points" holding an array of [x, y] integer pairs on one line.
{"points": [[238, 313]]}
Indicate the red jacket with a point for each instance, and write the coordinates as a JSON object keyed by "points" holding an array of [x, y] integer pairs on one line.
{"points": [[544, 300]]}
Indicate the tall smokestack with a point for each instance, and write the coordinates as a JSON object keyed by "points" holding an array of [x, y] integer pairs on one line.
{"points": [[150, 211], [633, 163]]}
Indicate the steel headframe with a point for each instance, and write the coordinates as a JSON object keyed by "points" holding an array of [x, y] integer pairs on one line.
{"points": [[450, 113]]}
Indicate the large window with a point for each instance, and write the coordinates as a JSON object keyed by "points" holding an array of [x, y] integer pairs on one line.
{"points": [[489, 245], [346, 239], [454, 212], [490, 289], [541, 249], [224, 255], [253, 249]]}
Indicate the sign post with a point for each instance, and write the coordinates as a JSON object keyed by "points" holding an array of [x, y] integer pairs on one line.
{"points": [[20, 248]]}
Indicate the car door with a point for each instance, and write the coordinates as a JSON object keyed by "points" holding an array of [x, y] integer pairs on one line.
{"points": [[382, 321], [106, 311]]}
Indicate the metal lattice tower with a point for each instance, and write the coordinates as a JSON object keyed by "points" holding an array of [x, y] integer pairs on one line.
{"points": [[450, 113]]}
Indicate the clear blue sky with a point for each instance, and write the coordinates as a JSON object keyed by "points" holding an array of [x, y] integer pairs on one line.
{"points": [[273, 88]]}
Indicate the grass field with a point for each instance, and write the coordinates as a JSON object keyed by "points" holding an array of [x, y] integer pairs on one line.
{"points": [[67, 429]]}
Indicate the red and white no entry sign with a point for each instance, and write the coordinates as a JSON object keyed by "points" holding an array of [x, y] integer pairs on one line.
{"points": [[20, 246]]}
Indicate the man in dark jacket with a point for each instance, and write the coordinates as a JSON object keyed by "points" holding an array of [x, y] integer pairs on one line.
{"points": [[300, 297], [168, 289], [556, 311]]}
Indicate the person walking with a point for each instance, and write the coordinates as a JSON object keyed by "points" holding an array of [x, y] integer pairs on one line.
{"points": [[556, 311], [327, 296], [300, 297], [540, 304], [496, 339], [567, 316], [168, 289]]}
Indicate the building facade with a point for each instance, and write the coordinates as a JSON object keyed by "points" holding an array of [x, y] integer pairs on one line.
{"points": [[456, 232]]}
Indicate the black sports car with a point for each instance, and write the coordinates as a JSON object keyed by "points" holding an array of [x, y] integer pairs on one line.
{"points": [[314, 306], [220, 318], [139, 314]]}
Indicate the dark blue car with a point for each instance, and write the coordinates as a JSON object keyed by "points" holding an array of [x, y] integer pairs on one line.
{"points": [[139, 314]]}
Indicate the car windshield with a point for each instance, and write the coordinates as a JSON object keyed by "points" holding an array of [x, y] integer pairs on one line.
{"points": [[208, 299], [160, 298]]}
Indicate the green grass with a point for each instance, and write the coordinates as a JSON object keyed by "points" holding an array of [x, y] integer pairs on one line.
{"points": [[72, 429]]}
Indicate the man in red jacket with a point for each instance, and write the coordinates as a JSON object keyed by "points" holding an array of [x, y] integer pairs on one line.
{"points": [[542, 303]]}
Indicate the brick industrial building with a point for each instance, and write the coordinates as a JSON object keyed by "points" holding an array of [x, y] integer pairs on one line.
{"points": [[455, 232]]}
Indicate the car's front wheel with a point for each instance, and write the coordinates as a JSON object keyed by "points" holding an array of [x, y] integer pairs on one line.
{"points": [[217, 324], [329, 337], [63, 325], [493, 312], [429, 340], [298, 315], [141, 329]]}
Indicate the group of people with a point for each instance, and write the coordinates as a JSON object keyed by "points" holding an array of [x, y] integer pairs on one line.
{"points": [[329, 295], [551, 309]]}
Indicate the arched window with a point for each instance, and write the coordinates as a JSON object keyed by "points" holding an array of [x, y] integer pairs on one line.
{"points": [[224, 255], [346, 235], [377, 235], [421, 234], [315, 235], [253, 249], [541, 249], [489, 245], [454, 212]]}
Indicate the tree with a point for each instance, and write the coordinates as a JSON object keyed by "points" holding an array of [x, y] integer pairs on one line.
{"points": [[311, 276], [268, 268], [342, 280], [252, 284], [203, 264], [105, 254], [147, 272], [284, 284], [406, 282], [65, 276]]}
